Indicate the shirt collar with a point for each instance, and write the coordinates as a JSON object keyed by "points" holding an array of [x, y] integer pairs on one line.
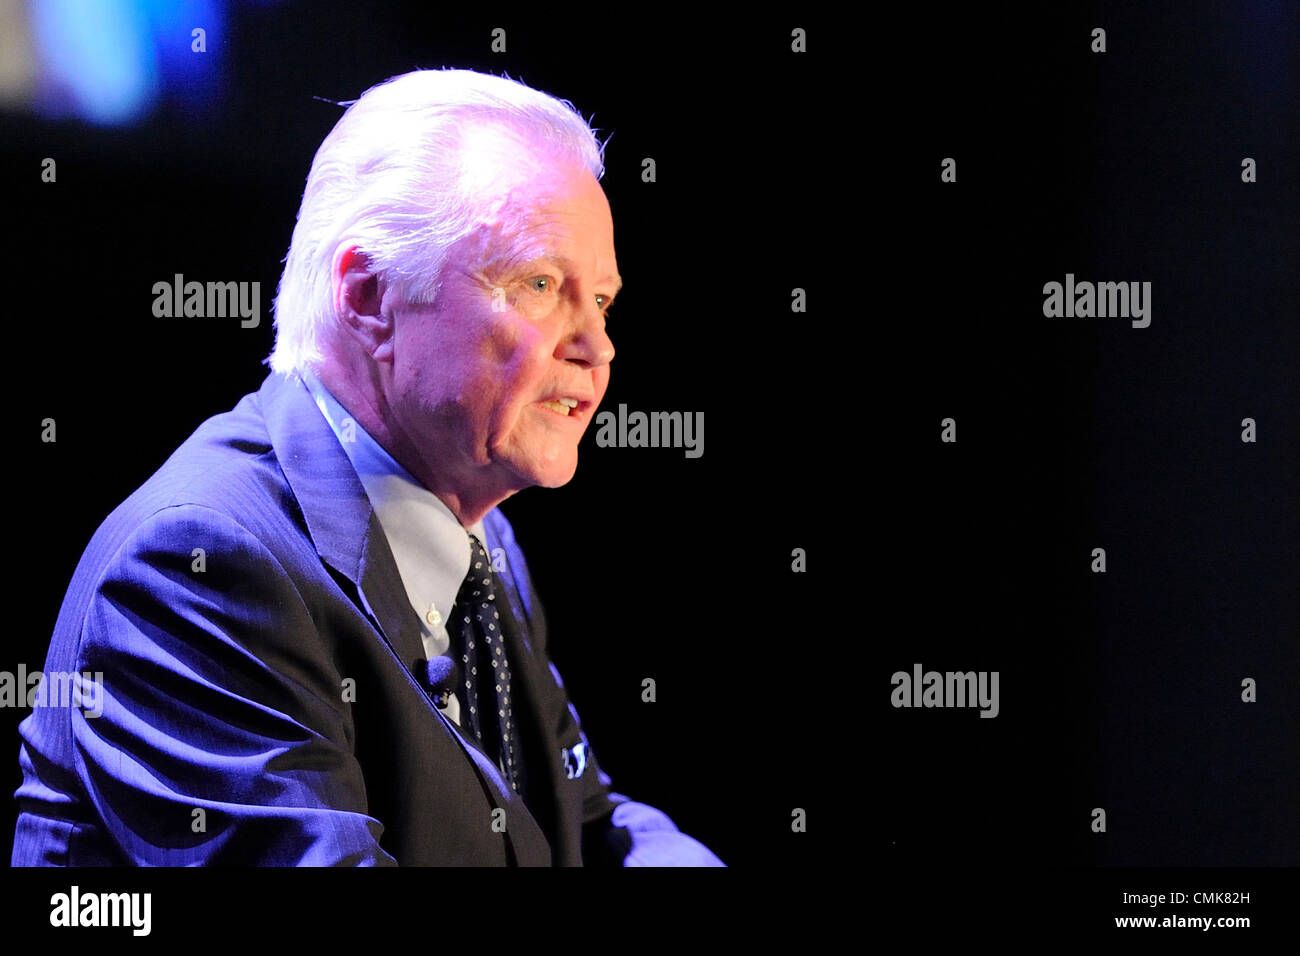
{"points": [[429, 545]]}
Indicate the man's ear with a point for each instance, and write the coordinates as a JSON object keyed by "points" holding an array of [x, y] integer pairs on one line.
{"points": [[358, 300]]}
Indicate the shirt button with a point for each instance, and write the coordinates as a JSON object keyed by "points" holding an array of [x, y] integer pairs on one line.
{"points": [[433, 617]]}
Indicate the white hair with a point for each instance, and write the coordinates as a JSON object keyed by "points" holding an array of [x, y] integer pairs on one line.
{"points": [[394, 176]]}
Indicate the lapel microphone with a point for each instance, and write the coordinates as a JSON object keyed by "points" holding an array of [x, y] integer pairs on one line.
{"points": [[442, 675]]}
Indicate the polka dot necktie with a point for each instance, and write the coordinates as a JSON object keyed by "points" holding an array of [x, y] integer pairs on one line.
{"points": [[475, 629]]}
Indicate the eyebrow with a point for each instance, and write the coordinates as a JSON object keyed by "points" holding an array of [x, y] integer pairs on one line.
{"points": [[572, 266]]}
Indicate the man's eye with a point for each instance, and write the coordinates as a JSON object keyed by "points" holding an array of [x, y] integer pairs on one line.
{"points": [[540, 284]]}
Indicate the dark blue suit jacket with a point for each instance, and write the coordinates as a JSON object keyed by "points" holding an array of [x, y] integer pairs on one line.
{"points": [[261, 695]]}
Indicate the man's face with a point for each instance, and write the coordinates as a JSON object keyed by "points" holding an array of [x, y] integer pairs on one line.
{"points": [[477, 375]]}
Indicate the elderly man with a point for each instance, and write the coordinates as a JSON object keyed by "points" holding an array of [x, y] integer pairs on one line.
{"points": [[317, 637]]}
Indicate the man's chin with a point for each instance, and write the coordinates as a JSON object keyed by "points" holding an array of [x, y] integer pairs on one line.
{"points": [[557, 479], [555, 474]]}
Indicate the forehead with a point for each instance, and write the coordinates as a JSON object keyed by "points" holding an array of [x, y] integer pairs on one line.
{"points": [[562, 214], [565, 207]]}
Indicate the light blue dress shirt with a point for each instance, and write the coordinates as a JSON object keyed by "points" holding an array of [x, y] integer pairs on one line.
{"points": [[429, 545]]}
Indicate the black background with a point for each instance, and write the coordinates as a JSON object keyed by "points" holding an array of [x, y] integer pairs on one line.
{"points": [[821, 171], [1122, 690]]}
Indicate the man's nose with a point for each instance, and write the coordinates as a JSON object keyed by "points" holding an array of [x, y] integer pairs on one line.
{"points": [[588, 344]]}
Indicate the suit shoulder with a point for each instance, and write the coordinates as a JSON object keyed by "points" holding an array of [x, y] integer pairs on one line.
{"points": [[227, 464], [225, 469]]}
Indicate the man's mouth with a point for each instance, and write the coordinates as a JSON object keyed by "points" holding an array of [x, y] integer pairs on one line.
{"points": [[568, 406], [561, 406]]}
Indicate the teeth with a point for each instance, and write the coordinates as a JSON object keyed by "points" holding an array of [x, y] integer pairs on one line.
{"points": [[558, 407], [571, 402]]}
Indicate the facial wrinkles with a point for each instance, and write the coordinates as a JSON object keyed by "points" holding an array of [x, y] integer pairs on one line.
{"points": [[510, 352], [518, 348]]}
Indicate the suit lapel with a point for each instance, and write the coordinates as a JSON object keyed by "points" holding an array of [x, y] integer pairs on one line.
{"points": [[342, 524], [349, 539]]}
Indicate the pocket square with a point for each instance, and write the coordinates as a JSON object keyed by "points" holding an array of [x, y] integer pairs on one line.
{"points": [[575, 759]]}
